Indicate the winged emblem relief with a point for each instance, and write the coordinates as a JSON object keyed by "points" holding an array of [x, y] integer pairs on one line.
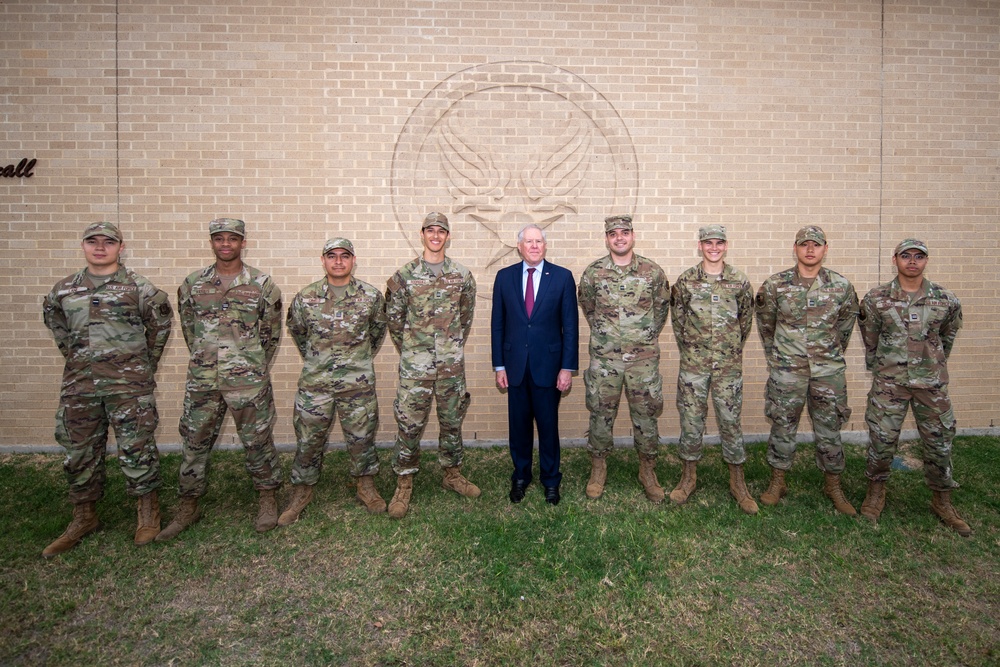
{"points": [[500, 145], [503, 190]]}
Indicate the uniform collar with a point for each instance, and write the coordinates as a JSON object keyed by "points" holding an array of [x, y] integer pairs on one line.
{"points": [[609, 263], [352, 287], [243, 278], [821, 278], [705, 276], [425, 265], [119, 276], [897, 292]]}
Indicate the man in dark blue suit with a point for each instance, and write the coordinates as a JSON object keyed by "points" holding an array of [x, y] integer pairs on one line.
{"points": [[535, 329]]}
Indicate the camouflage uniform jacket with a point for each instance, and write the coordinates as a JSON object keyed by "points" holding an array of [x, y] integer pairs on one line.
{"points": [[233, 333], [430, 318], [711, 317], [908, 342], [112, 336], [337, 338], [805, 330], [626, 308]]}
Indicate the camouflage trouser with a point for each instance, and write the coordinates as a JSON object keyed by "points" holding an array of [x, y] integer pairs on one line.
{"points": [[412, 408], [82, 428], [692, 404], [643, 387], [313, 417], [254, 416], [887, 404], [826, 398]]}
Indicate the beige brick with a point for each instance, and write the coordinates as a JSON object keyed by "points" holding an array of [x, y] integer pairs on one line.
{"points": [[764, 119]]}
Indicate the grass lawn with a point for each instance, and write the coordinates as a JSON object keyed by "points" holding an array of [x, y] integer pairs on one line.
{"points": [[616, 581]]}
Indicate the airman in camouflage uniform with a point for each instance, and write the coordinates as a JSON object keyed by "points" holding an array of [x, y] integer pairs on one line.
{"points": [[430, 304], [231, 319], [111, 325], [805, 317], [908, 327], [338, 324], [712, 313], [625, 298]]}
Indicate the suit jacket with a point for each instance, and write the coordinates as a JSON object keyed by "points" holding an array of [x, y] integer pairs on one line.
{"points": [[549, 339]]}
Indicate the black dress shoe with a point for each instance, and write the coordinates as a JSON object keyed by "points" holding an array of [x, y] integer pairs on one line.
{"points": [[517, 489], [552, 495]]}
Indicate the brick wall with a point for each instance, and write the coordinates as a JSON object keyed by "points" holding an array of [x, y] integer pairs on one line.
{"points": [[311, 121]]}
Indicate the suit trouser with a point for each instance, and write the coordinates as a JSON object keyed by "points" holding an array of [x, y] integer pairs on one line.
{"points": [[529, 405]]}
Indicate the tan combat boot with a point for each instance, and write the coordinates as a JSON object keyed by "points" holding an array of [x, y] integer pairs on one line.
{"points": [[401, 499], [831, 487], [738, 487], [369, 496], [453, 481], [267, 515], [941, 505], [685, 487], [776, 489], [84, 522], [149, 518], [302, 495], [187, 514], [598, 476], [647, 477], [874, 503]]}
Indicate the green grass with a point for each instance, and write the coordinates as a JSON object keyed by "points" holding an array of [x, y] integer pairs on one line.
{"points": [[616, 581]]}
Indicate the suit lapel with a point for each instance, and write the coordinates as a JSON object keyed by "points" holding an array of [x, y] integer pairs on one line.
{"points": [[516, 276], [543, 288]]}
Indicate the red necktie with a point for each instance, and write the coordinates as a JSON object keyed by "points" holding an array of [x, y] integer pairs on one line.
{"points": [[529, 293]]}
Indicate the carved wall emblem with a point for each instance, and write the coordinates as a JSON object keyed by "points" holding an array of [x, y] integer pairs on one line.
{"points": [[500, 145]]}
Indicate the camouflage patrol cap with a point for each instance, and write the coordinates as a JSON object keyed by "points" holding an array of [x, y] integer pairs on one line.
{"points": [[435, 219], [911, 244], [338, 242], [227, 225], [810, 233], [617, 222], [712, 232], [102, 229]]}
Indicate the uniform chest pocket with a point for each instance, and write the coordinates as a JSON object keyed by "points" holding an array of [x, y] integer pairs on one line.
{"points": [[631, 294], [115, 308], [241, 312], [921, 321], [793, 304], [704, 297], [935, 316], [821, 305], [344, 325], [205, 301]]}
